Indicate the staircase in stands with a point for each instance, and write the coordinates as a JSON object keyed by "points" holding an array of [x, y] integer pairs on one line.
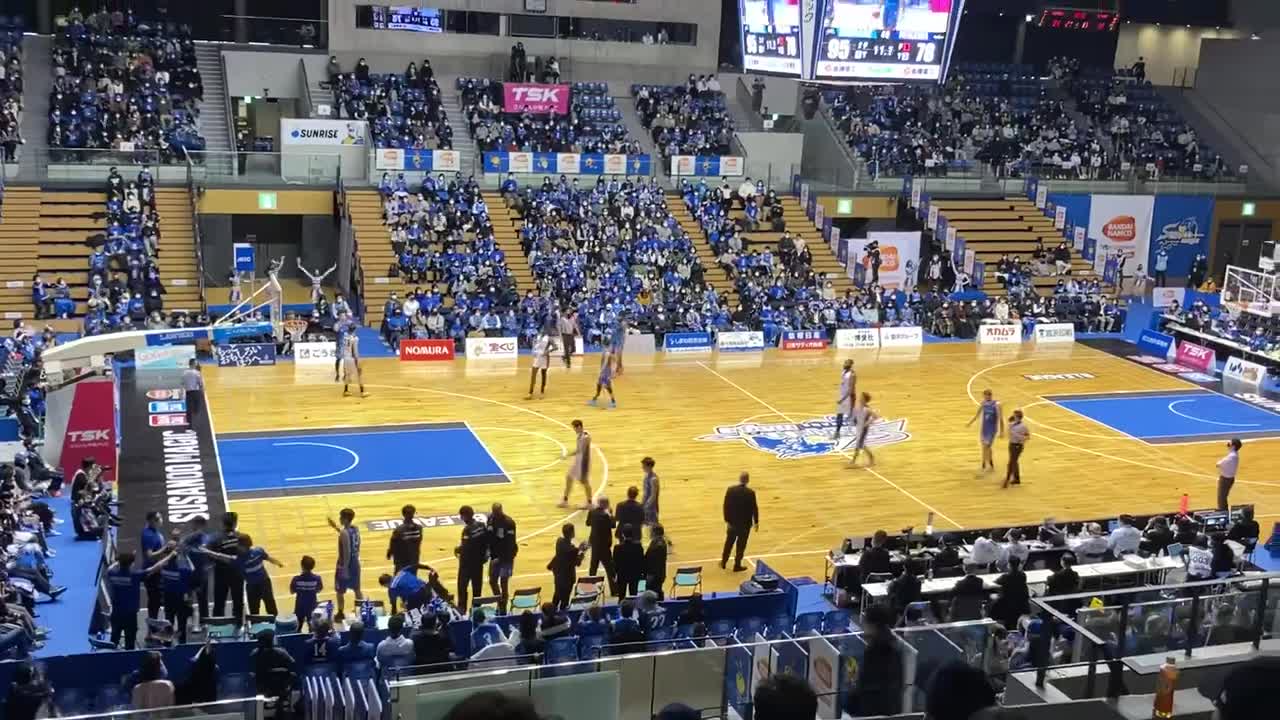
{"points": [[19, 224]]}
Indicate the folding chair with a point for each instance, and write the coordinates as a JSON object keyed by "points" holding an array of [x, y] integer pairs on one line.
{"points": [[258, 623], [687, 578], [221, 628], [526, 599], [488, 604]]}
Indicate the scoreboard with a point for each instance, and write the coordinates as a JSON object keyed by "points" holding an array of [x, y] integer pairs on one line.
{"points": [[1076, 19], [864, 40]]}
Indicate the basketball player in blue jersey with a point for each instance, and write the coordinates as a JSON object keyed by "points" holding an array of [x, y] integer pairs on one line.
{"points": [[347, 575], [605, 381], [992, 426], [844, 401], [617, 341]]}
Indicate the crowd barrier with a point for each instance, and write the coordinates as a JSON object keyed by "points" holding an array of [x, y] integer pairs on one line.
{"points": [[706, 165], [417, 160], [567, 163]]}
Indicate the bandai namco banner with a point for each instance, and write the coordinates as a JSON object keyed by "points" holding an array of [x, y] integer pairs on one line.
{"points": [[1121, 225]]}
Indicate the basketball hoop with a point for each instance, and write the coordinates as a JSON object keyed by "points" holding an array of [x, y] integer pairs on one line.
{"points": [[295, 327]]}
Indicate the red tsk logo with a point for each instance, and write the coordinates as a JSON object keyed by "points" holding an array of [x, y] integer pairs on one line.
{"points": [[1121, 228]]}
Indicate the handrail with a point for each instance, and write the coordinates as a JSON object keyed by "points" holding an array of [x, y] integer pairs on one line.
{"points": [[195, 227], [308, 105], [231, 117]]}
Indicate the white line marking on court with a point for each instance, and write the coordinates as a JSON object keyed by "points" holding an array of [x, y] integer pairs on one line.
{"points": [[534, 433], [784, 416], [349, 430], [486, 451], [355, 459], [1211, 422], [217, 457], [1044, 424]]}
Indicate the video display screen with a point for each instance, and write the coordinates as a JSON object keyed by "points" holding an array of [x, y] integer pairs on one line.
{"points": [[884, 40], [771, 36], [401, 17]]}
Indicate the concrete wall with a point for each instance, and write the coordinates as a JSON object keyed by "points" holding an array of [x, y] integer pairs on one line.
{"points": [[825, 159], [1238, 79], [772, 157], [248, 73], [1171, 51], [344, 38]]}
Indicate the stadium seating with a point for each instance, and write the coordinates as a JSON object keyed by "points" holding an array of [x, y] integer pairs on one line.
{"points": [[11, 84], [124, 85], [593, 126], [403, 109], [685, 119]]}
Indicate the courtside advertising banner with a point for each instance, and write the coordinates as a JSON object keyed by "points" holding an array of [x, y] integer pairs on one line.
{"points": [[1155, 343], [896, 248], [740, 341], [901, 337], [326, 133], [167, 357], [1195, 356], [1243, 371], [825, 672], [1055, 332], [687, 342], [91, 428], [1121, 225], [245, 354], [315, 353], [492, 348], [535, 98], [999, 334], [435, 349], [857, 338], [804, 340], [1180, 225], [1166, 296]]}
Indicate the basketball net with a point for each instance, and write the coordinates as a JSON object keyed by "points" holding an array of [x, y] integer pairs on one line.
{"points": [[295, 327]]}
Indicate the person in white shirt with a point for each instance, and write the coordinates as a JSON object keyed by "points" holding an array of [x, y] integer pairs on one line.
{"points": [[1227, 468], [395, 650], [1015, 548], [986, 552], [746, 191], [1124, 540], [713, 85], [1018, 436], [1093, 546]]}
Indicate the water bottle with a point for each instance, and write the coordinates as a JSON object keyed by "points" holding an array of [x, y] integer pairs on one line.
{"points": [[1166, 685]]}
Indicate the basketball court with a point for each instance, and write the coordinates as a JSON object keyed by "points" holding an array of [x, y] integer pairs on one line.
{"points": [[1109, 435]]}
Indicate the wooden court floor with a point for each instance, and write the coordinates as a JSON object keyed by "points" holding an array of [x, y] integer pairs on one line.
{"points": [[1072, 468]]}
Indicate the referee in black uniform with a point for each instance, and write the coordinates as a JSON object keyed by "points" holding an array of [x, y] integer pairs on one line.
{"points": [[405, 548], [1018, 436], [741, 515]]}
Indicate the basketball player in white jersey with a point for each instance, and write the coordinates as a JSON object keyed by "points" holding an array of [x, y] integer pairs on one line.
{"points": [[543, 346], [863, 418], [579, 466], [351, 366], [992, 424], [844, 401]]}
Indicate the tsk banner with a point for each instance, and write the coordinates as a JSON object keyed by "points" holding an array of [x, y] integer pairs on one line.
{"points": [[1195, 356], [1121, 225], [896, 248], [804, 340], [544, 163], [687, 342], [328, 133], [1180, 227], [1055, 332], [245, 354], [91, 428], [999, 334], [535, 98], [426, 349], [417, 160], [1155, 343], [1244, 371], [901, 337], [705, 165], [740, 341], [492, 348], [315, 353], [857, 338]]}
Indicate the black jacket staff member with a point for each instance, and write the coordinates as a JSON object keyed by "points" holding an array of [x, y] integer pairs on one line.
{"points": [[405, 548], [564, 566], [1227, 468], [473, 552], [741, 514], [1018, 436]]}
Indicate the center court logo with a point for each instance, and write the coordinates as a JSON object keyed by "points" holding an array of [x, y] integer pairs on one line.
{"points": [[808, 438]]}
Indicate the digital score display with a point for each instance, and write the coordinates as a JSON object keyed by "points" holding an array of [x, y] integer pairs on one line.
{"points": [[885, 40], [1080, 20], [771, 36]]}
